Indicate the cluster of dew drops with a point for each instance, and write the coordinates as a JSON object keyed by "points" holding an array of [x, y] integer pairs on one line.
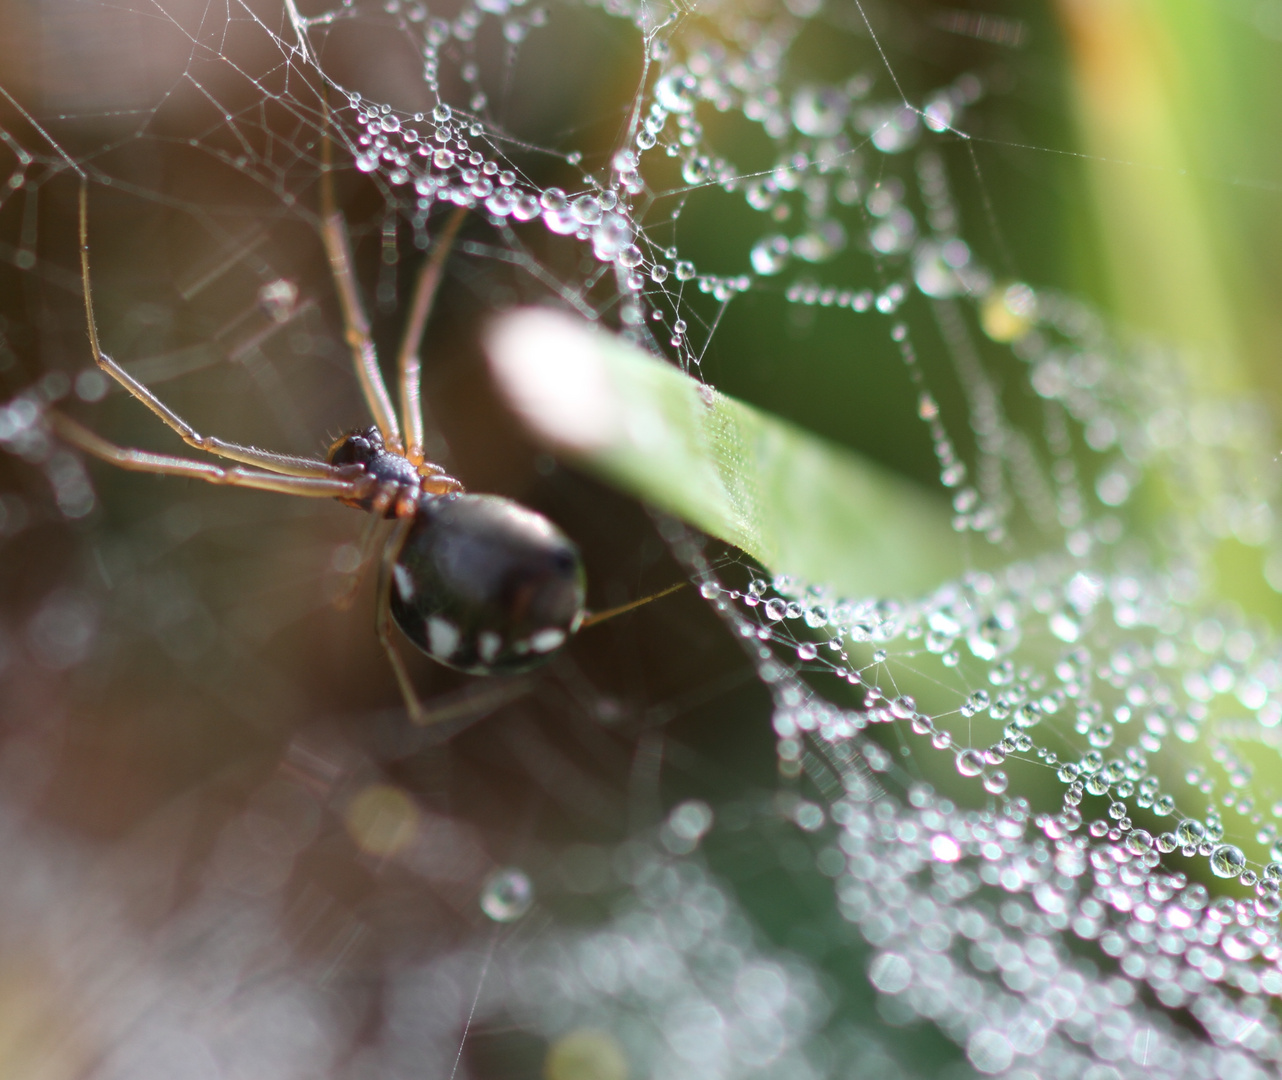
{"points": [[819, 193], [1007, 887], [1094, 665]]}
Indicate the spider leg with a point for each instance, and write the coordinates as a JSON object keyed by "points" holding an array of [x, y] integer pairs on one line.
{"points": [[331, 486], [594, 617], [408, 363], [383, 617], [356, 329], [249, 455]]}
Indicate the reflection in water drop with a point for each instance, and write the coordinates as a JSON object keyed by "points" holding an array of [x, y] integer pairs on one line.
{"points": [[1227, 861]]}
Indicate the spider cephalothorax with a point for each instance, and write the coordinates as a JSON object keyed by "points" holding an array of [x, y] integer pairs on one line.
{"points": [[397, 481]]}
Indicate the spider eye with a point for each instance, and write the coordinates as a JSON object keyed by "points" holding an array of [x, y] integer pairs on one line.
{"points": [[354, 448]]}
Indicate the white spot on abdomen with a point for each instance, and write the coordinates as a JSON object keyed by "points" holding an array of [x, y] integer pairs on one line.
{"points": [[442, 637], [404, 583], [488, 645], [547, 640]]}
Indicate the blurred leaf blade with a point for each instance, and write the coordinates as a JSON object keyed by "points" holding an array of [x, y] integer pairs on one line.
{"points": [[796, 503]]}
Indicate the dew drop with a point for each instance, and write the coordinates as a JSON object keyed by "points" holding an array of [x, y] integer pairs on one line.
{"points": [[610, 236], [1138, 841], [819, 111], [996, 781], [1189, 832], [903, 707], [586, 210], [1268, 906], [769, 255], [507, 895], [1227, 861]]}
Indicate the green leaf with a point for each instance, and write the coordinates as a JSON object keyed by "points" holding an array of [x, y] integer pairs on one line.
{"points": [[797, 504]]}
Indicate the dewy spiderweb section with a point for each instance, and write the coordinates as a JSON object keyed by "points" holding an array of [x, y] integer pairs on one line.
{"points": [[1103, 715]]}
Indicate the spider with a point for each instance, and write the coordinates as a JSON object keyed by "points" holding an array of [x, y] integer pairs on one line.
{"points": [[478, 582]]}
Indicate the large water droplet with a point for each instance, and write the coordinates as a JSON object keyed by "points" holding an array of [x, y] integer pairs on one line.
{"points": [[819, 110], [1138, 841], [674, 91], [893, 128], [935, 267], [1190, 832], [996, 781], [587, 209], [1227, 861], [769, 255], [611, 236]]}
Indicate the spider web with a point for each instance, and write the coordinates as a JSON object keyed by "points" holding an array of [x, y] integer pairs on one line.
{"points": [[1033, 813]]}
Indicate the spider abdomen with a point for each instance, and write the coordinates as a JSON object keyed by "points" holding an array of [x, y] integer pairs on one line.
{"points": [[485, 585]]}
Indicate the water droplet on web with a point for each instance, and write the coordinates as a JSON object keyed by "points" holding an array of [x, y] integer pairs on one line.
{"points": [[507, 895], [996, 781], [525, 207], [1190, 832], [769, 255], [893, 128], [587, 209], [1138, 841], [1227, 861], [611, 235], [673, 92], [819, 110]]}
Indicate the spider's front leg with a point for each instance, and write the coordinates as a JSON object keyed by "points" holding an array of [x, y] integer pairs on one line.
{"points": [[332, 483]]}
